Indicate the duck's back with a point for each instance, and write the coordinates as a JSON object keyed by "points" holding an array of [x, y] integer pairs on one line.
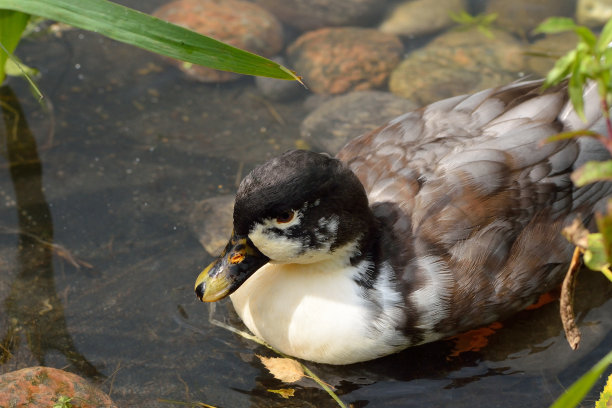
{"points": [[472, 201]]}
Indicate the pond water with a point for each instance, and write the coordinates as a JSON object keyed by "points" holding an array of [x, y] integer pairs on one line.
{"points": [[98, 257]]}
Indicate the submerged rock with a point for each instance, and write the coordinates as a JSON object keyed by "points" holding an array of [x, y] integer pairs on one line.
{"points": [[239, 23], [458, 62], [420, 17], [593, 13], [313, 14], [46, 386], [335, 122], [338, 60], [211, 220]]}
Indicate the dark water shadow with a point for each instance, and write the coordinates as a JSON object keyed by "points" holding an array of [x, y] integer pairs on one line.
{"points": [[34, 311]]}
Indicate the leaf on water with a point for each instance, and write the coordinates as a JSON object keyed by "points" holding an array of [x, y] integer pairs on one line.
{"points": [[284, 392], [566, 300], [284, 369]]}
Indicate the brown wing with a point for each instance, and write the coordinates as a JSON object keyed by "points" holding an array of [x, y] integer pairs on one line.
{"points": [[483, 200]]}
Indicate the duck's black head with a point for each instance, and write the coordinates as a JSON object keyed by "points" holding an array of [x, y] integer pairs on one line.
{"points": [[299, 204], [300, 207]]}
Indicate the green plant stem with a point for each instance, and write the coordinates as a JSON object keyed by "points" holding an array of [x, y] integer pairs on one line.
{"points": [[606, 114], [607, 273]]}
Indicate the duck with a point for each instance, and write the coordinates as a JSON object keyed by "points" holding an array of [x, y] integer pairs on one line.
{"points": [[445, 219]]}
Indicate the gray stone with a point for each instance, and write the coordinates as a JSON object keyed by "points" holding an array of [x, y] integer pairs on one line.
{"points": [[312, 14], [345, 117], [458, 62], [420, 17]]}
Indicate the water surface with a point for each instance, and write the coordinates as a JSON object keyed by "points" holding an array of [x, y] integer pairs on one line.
{"points": [[98, 258]]}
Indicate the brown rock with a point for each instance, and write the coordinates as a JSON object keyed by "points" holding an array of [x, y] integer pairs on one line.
{"points": [[593, 13], [44, 386], [420, 17], [238, 23], [338, 60], [313, 14], [456, 63]]}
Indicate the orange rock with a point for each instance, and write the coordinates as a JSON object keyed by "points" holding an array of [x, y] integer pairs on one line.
{"points": [[44, 386], [338, 60], [238, 23]]}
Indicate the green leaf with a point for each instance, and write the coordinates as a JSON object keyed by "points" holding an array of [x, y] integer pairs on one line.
{"points": [[12, 24], [561, 69], [595, 256], [554, 25], [605, 37], [133, 27], [573, 134], [591, 172], [488, 19], [575, 89], [605, 398], [463, 17], [579, 389], [586, 35], [604, 226]]}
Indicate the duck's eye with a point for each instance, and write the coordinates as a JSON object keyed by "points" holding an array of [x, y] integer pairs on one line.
{"points": [[285, 217]]}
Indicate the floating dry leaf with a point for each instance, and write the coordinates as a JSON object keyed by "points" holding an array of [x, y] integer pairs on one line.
{"points": [[567, 302], [284, 369], [284, 392]]}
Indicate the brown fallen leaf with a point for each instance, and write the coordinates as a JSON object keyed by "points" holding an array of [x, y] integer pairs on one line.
{"points": [[572, 333], [284, 369]]}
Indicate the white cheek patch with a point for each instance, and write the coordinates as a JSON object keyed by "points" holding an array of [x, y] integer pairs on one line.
{"points": [[282, 249], [276, 247]]}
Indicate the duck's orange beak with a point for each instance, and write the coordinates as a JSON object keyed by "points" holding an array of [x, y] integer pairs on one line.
{"points": [[239, 260]]}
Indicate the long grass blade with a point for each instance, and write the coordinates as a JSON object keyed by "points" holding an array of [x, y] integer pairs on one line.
{"points": [[142, 30]]}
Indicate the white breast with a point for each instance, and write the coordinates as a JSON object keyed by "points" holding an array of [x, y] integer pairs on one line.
{"points": [[317, 312]]}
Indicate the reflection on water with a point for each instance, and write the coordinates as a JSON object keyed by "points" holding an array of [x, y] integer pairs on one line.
{"points": [[135, 146], [33, 310]]}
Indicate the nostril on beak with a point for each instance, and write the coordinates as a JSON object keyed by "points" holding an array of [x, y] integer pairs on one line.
{"points": [[199, 290]]}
